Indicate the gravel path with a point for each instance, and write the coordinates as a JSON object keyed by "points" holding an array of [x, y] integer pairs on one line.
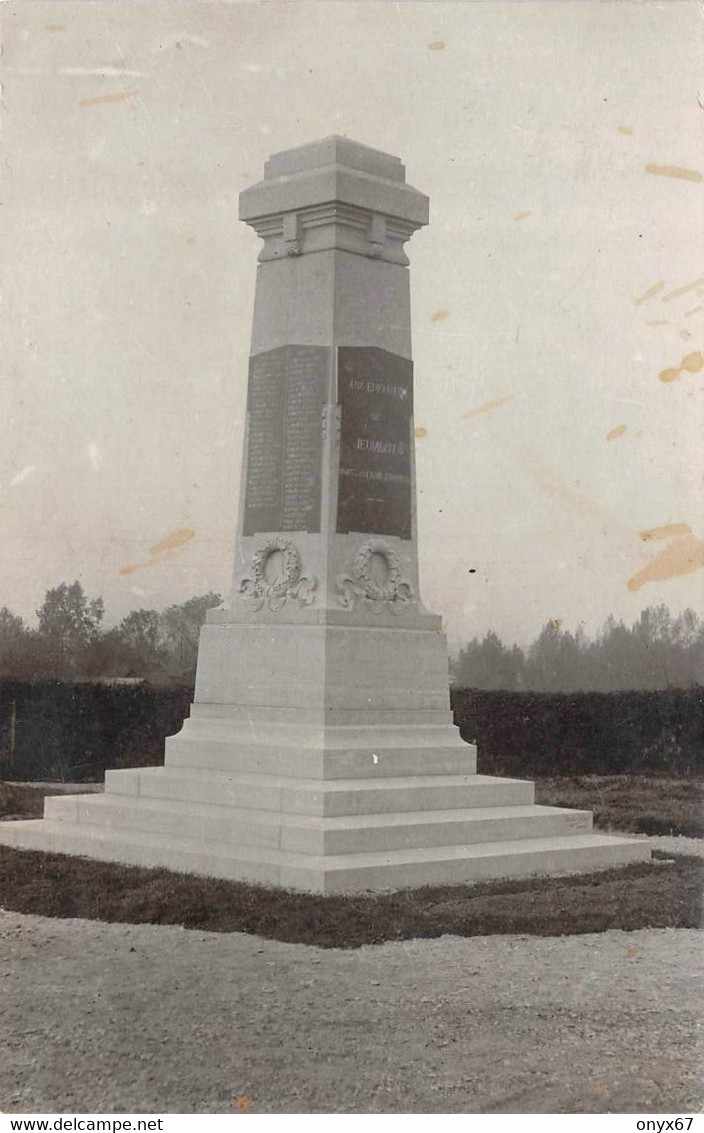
{"points": [[148, 1019]]}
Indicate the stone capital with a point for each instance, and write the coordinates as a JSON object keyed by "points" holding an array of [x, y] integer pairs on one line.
{"points": [[334, 193]]}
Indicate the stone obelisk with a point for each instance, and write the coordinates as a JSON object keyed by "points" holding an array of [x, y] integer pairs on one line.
{"points": [[320, 752], [324, 627]]}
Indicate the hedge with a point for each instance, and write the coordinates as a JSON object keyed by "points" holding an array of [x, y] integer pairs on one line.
{"points": [[589, 733], [73, 732]]}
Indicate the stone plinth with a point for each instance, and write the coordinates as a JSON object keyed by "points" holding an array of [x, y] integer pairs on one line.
{"points": [[320, 753]]}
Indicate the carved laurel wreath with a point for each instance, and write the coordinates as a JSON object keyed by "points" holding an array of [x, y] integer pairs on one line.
{"points": [[292, 567], [395, 594], [362, 570], [289, 584]]}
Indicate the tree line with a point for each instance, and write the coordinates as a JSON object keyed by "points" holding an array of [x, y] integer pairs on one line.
{"points": [[70, 642], [658, 651]]}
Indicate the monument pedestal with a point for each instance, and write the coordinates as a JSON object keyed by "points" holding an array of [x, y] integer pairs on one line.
{"points": [[338, 808], [320, 753], [305, 765]]}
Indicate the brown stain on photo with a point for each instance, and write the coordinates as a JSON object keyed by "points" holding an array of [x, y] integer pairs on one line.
{"points": [[675, 171], [118, 96], [437, 45], [650, 292], [439, 316], [624, 130], [692, 311], [690, 364], [522, 215], [554, 484], [668, 375], [243, 1104], [669, 531], [163, 551], [420, 432], [54, 27], [617, 432], [657, 322], [694, 285], [176, 539], [487, 407], [681, 556]]}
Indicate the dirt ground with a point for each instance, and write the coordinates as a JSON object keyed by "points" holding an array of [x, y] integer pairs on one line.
{"points": [[154, 1018]]}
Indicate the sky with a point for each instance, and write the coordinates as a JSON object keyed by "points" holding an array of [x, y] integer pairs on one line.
{"points": [[557, 293]]}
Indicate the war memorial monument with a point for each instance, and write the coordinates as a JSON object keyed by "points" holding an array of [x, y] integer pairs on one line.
{"points": [[320, 752]]}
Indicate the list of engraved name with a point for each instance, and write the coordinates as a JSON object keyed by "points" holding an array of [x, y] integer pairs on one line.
{"points": [[286, 397]]}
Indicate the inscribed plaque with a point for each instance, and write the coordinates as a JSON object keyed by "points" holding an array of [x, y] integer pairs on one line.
{"points": [[285, 398], [375, 392]]}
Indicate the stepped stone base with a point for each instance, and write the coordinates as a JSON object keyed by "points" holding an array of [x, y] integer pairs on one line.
{"points": [[312, 806]]}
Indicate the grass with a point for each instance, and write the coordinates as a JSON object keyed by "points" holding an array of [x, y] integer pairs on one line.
{"points": [[21, 799], [658, 895], [642, 804]]}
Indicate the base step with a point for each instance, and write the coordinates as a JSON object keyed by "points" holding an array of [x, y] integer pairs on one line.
{"points": [[322, 798], [316, 835], [341, 873]]}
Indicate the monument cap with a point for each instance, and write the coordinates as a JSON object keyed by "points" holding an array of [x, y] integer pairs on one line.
{"points": [[334, 170], [335, 150]]}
